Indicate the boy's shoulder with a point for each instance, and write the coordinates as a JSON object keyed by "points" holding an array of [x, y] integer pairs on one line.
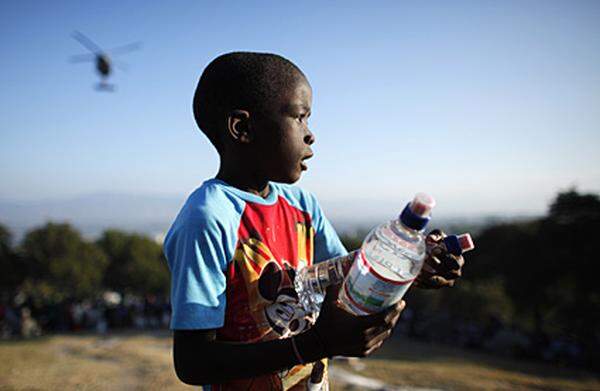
{"points": [[208, 205], [215, 204]]}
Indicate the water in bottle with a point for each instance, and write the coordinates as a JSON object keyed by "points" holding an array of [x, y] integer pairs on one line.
{"points": [[389, 260], [383, 269]]}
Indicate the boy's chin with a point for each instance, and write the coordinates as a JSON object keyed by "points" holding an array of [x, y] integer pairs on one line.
{"points": [[289, 178]]}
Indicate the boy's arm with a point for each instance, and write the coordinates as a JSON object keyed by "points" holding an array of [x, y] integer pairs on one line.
{"points": [[200, 359]]}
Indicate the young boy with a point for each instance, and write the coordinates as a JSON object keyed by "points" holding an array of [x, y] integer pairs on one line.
{"points": [[235, 246]]}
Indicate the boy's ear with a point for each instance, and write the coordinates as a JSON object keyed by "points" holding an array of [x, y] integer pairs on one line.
{"points": [[238, 126]]}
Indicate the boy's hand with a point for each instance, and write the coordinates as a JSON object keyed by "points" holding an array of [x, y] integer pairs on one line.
{"points": [[343, 334], [441, 269]]}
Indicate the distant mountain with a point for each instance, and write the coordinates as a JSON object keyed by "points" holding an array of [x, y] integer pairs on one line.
{"points": [[91, 214], [152, 215]]}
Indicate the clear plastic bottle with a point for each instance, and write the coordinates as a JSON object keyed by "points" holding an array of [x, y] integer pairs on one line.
{"points": [[383, 269], [395, 252], [389, 260], [312, 282]]}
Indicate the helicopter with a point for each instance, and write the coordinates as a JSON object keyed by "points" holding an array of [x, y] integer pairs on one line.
{"points": [[102, 58]]}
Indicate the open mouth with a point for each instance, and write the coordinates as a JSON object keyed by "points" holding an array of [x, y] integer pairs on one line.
{"points": [[303, 163]]}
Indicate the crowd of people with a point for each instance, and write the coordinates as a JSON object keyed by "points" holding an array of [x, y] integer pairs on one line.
{"points": [[21, 316], [494, 336]]}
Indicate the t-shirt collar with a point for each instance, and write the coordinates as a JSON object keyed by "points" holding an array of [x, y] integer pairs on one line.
{"points": [[247, 196]]}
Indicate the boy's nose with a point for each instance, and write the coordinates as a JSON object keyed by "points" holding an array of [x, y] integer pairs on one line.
{"points": [[309, 138]]}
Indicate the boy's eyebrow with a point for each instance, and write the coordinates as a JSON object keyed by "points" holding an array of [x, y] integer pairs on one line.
{"points": [[301, 106]]}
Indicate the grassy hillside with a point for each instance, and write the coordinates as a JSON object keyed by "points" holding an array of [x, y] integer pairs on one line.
{"points": [[143, 361]]}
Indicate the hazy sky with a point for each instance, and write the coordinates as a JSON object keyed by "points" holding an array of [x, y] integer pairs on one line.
{"points": [[491, 106]]}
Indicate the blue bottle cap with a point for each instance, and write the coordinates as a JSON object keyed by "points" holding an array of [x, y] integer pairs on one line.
{"points": [[413, 220], [417, 213]]}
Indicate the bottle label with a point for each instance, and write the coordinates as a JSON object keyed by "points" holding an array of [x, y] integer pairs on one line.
{"points": [[366, 292]]}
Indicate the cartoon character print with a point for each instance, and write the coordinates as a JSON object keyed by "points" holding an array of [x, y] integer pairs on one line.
{"points": [[262, 304], [271, 297], [273, 242], [285, 315]]}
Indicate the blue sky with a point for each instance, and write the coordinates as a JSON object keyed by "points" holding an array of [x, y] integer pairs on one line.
{"points": [[490, 106]]}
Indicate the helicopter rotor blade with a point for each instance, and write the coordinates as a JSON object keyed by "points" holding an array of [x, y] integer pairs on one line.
{"points": [[86, 42], [125, 49], [82, 57], [121, 66]]}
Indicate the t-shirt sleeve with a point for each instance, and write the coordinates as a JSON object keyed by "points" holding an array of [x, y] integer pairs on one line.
{"points": [[327, 242], [197, 259]]}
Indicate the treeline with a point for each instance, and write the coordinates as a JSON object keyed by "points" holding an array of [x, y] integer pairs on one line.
{"points": [[529, 289], [54, 263]]}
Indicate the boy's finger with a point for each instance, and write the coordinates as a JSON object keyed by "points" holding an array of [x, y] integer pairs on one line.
{"points": [[331, 293], [374, 348], [388, 324], [384, 316], [451, 261], [429, 281], [427, 268], [380, 337], [436, 235], [442, 269], [443, 262]]}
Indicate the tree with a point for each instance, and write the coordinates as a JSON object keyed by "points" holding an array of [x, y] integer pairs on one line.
{"points": [[13, 269], [136, 264], [58, 257], [571, 227]]}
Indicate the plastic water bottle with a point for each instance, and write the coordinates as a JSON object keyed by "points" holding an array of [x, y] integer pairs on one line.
{"points": [[383, 269], [389, 260], [312, 282]]}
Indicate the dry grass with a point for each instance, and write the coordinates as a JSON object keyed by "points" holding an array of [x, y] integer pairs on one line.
{"points": [[404, 362], [143, 361], [120, 362]]}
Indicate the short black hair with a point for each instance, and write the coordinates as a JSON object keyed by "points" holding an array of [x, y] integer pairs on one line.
{"points": [[239, 80]]}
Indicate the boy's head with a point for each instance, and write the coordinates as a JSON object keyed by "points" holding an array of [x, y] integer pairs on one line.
{"points": [[254, 108]]}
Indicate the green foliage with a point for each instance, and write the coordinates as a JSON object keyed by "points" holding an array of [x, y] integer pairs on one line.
{"points": [[351, 242], [547, 266], [479, 301], [571, 207], [57, 256], [136, 263], [539, 274], [12, 266], [54, 262], [5, 238], [473, 301]]}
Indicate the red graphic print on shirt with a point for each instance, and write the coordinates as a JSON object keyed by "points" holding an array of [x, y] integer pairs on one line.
{"points": [[273, 242]]}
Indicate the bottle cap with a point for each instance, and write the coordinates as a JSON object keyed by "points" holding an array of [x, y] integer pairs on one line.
{"points": [[417, 213], [422, 204], [459, 244]]}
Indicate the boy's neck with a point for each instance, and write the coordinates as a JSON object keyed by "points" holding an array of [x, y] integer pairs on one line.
{"points": [[244, 181]]}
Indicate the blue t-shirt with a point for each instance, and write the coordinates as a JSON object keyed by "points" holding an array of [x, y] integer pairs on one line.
{"points": [[225, 236], [233, 257]]}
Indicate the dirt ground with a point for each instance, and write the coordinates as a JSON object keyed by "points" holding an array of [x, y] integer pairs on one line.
{"points": [[127, 361]]}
